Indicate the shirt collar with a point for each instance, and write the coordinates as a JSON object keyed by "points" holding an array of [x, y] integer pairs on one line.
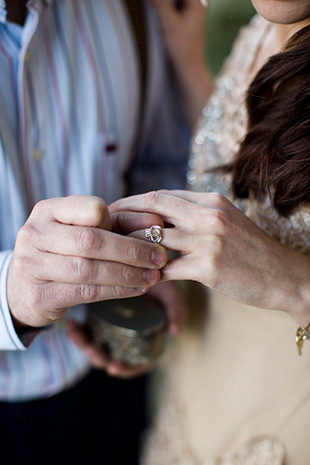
{"points": [[2, 11]]}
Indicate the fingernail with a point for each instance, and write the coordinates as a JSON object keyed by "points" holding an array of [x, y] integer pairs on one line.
{"points": [[159, 256], [112, 370], [150, 276], [141, 290]]}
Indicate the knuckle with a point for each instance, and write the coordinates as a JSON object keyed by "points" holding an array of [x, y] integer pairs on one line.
{"points": [[87, 239], [218, 220], [41, 303], [218, 244], [119, 292], [98, 211], [42, 209], [219, 200], [214, 264], [84, 269], [36, 297], [164, 191], [23, 264], [153, 199], [28, 233], [127, 276], [89, 293], [134, 254], [39, 207], [217, 247]]}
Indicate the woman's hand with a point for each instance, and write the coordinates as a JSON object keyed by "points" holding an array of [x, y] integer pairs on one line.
{"points": [[184, 34], [224, 250]]}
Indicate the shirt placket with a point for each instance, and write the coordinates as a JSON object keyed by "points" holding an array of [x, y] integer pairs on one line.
{"points": [[25, 58]]}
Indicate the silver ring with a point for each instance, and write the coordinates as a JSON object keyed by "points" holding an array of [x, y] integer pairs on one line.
{"points": [[154, 233], [204, 3]]}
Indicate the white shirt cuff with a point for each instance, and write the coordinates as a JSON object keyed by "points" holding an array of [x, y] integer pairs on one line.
{"points": [[8, 337]]}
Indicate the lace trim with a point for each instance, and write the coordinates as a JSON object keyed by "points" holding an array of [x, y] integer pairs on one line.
{"points": [[167, 445], [260, 450]]}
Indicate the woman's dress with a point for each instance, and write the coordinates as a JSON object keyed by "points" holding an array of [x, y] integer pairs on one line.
{"points": [[236, 392]]}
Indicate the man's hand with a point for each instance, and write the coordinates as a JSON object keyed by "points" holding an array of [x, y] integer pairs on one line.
{"points": [[169, 295], [98, 357], [66, 254]]}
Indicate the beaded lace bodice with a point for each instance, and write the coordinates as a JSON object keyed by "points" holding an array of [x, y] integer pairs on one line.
{"points": [[218, 135]]}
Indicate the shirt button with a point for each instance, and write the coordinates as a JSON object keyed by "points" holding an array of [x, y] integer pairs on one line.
{"points": [[37, 155], [111, 148]]}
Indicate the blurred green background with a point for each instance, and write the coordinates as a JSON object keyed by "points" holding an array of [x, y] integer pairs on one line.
{"points": [[225, 19]]}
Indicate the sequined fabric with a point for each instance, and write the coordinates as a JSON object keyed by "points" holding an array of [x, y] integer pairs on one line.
{"points": [[223, 122]]}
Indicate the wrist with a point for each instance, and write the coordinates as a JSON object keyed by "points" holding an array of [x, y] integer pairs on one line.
{"points": [[26, 333], [300, 310], [295, 289]]}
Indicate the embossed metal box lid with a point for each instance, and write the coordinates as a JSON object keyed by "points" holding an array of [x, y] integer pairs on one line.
{"points": [[132, 330]]}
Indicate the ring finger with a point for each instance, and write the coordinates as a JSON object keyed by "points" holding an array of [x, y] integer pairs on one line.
{"points": [[172, 238]]}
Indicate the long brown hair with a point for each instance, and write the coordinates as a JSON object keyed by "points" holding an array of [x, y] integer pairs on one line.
{"points": [[274, 157]]}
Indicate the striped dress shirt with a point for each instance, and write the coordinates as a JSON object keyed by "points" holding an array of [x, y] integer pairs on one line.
{"points": [[70, 124]]}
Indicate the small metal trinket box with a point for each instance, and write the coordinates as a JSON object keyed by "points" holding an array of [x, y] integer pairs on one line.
{"points": [[133, 331]]}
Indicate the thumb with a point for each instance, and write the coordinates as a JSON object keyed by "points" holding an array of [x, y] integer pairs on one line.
{"points": [[79, 210]]}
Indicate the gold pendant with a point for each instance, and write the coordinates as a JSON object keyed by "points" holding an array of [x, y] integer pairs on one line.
{"points": [[302, 334]]}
